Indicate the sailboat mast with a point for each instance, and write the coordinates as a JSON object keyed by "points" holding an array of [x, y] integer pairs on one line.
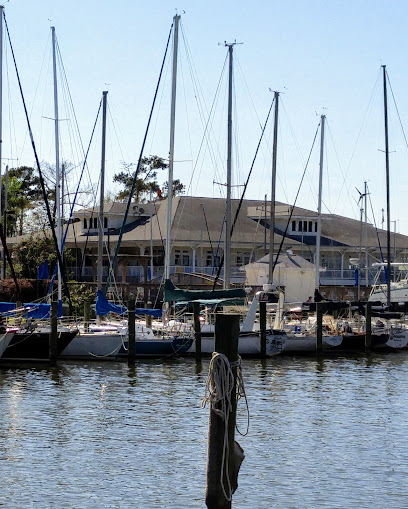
{"points": [[273, 189], [387, 178], [176, 20], [57, 160], [366, 232], [319, 206], [227, 247], [102, 193]]}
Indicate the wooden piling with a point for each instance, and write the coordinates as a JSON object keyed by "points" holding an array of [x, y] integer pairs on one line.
{"points": [[149, 305], [54, 332], [87, 314], [226, 342], [131, 330], [197, 331], [262, 324], [368, 327], [319, 328]]}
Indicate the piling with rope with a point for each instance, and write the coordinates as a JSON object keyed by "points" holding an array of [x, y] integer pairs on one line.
{"points": [[225, 455], [131, 330]]}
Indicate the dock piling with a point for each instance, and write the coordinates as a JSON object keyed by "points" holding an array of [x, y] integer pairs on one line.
{"points": [[54, 332], [197, 331], [262, 324], [319, 328], [368, 328], [131, 330], [224, 454]]}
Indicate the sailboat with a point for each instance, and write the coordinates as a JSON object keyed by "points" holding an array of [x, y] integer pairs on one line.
{"points": [[301, 339]]}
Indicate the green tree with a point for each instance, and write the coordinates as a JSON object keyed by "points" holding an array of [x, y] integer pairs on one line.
{"points": [[23, 195], [146, 183]]}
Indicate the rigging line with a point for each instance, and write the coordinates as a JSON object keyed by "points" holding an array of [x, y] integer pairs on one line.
{"points": [[137, 169], [12, 127], [396, 107], [74, 115], [208, 131], [341, 168], [294, 203], [208, 231], [117, 131], [202, 107], [375, 225], [360, 132], [54, 236], [245, 187]]}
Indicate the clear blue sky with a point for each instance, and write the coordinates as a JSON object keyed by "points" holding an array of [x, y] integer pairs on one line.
{"points": [[325, 56]]}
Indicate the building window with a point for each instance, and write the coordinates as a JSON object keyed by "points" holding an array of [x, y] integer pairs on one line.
{"points": [[85, 223], [95, 222], [208, 259], [293, 226], [177, 257], [105, 222], [300, 226], [315, 227], [186, 259], [310, 226]]}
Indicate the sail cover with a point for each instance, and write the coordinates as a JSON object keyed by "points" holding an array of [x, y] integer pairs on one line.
{"points": [[103, 307], [174, 294]]}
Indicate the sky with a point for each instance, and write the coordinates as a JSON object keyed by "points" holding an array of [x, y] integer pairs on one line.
{"points": [[323, 57]]}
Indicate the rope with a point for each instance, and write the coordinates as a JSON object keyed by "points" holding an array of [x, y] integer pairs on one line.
{"points": [[218, 393]]}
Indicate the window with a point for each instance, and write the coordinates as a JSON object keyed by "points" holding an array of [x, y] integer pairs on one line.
{"points": [[305, 226], [186, 259], [95, 222], [293, 226], [300, 226], [177, 257], [310, 226], [208, 259], [105, 222], [85, 223]]}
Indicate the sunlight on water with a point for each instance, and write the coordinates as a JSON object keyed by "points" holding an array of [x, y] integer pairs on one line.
{"points": [[327, 434]]}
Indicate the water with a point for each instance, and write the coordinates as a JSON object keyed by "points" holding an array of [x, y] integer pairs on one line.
{"points": [[323, 434]]}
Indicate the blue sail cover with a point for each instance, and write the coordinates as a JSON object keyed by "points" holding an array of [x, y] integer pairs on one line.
{"points": [[30, 309], [103, 307]]}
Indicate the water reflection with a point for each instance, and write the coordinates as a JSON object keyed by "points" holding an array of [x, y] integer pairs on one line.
{"points": [[322, 433]]}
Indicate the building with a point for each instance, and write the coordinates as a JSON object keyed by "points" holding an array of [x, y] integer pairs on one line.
{"points": [[198, 237]]}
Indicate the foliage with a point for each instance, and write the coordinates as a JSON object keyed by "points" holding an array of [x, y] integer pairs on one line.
{"points": [[23, 194], [80, 293], [146, 183], [32, 252]]}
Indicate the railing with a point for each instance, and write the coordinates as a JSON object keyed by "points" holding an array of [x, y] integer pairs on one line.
{"points": [[135, 274]]}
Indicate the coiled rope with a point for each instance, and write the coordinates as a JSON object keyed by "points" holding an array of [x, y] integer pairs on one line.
{"points": [[219, 393]]}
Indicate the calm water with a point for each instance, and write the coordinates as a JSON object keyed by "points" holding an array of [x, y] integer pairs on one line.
{"points": [[323, 434]]}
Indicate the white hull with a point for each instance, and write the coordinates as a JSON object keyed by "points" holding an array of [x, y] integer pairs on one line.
{"points": [[248, 344], [94, 344], [5, 339], [398, 338], [303, 343]]}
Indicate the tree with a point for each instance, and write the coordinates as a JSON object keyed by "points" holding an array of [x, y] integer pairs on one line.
{"points": [[23, 194], [146, 183]]}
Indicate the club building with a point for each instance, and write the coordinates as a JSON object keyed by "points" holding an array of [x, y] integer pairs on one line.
{"points": [[197, 239]]}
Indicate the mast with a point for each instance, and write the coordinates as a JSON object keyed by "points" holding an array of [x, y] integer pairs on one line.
{"points": [[319, 206], [227, 247], [57, 161], [273, 190], [1, 132], [176, 20], [102, 193], [387, 178], [366, 231]]}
